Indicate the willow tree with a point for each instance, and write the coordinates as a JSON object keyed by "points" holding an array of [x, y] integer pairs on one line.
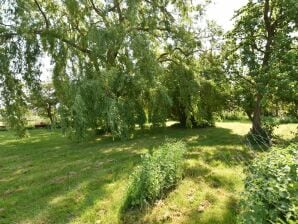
{"points": [[264, 54], [106, 57], [197, 82]]}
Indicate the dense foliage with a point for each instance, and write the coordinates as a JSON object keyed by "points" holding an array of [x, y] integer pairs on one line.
{"points": [[45, 103], [271, 188], [120, 64], [113, 62], [157, 174]]}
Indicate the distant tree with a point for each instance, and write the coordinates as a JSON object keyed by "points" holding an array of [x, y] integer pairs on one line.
{"points": [[45, 102], [262, 55]]}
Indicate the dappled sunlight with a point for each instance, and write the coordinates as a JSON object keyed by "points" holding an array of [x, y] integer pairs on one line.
{"points": [[239, 128], [148, 112], [7, 180], [86, 183], [286, 131]]}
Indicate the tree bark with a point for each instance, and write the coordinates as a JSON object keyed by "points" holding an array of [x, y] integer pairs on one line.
{"points": [[256, 119], [182, 117], [50, 115], [249, 114], [270, 30]]}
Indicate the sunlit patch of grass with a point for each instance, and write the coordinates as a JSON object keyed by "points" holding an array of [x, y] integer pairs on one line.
{"points": [[287, 131], [48, 179]]}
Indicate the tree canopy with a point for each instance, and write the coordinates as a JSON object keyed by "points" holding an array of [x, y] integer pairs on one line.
{"points": [[109, 57], [119, 64], [263, 55]]}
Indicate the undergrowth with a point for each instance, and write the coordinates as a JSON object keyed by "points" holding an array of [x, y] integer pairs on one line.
{"points": [[157, 174]]}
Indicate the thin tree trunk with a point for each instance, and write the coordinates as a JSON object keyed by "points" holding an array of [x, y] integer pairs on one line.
{"points": [[50, 116], [182, 117]]}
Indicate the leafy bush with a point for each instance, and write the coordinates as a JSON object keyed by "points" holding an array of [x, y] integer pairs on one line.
{"points": [[271, 188], [234, 115], [281, 120], [269, 124], [288, 119], [157, 174]]}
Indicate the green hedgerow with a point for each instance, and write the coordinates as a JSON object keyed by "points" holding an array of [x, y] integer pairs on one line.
{"points": [[157, 174], [271, 188]]}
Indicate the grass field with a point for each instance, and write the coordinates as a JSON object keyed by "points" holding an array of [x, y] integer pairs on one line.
{"points": [[48, 179]]}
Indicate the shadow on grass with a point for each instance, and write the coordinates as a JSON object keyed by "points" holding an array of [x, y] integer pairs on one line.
{"points": [[56, 180], [230, 156], [49, 178], [229, 215]]}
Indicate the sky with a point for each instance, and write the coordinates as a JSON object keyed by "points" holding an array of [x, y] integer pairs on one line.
{"points": [[221, 11]]}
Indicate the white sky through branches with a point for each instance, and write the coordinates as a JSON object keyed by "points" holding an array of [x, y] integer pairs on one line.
{"points": [[221, 11]]}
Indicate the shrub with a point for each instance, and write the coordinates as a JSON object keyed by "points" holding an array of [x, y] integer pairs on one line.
{"points": [[235, 115], [288, 119], [157, 174], [281, 120], [271, 188], [269, 126]]}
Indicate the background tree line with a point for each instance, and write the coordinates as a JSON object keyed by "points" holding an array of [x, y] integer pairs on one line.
{"points": [[120, 64]]}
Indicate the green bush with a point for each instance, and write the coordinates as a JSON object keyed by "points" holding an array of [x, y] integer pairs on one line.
{"points": [[157, 174], [269, 125], [281, 120], [271, 188], [234, 115], [288, 119]]}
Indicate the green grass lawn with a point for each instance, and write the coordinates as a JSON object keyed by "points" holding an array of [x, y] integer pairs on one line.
{"points": [[48, 179]]}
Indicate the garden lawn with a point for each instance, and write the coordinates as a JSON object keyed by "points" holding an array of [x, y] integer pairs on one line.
{"points": [[48, 179]]}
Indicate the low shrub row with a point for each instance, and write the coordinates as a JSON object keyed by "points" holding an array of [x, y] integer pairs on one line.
{"points": [[158, 173]]}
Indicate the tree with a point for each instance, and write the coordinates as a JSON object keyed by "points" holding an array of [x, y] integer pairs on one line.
{"points": [[108, 58], [45, 103], [263, 54], [197, 83]]}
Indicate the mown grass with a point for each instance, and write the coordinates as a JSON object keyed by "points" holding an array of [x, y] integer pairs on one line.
{"points": [[48, 179]]}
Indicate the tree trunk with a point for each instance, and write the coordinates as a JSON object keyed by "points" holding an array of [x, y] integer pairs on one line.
{"points": [[256, 120], [270, 29], [249, 114], [182, 117], [276, 109], [50, 115]]}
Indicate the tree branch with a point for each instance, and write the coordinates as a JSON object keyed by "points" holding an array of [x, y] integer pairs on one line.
{"points": [[99, 12], [266, 16], [55, 35], [117, 5], [43, 14], [244, 78]]}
